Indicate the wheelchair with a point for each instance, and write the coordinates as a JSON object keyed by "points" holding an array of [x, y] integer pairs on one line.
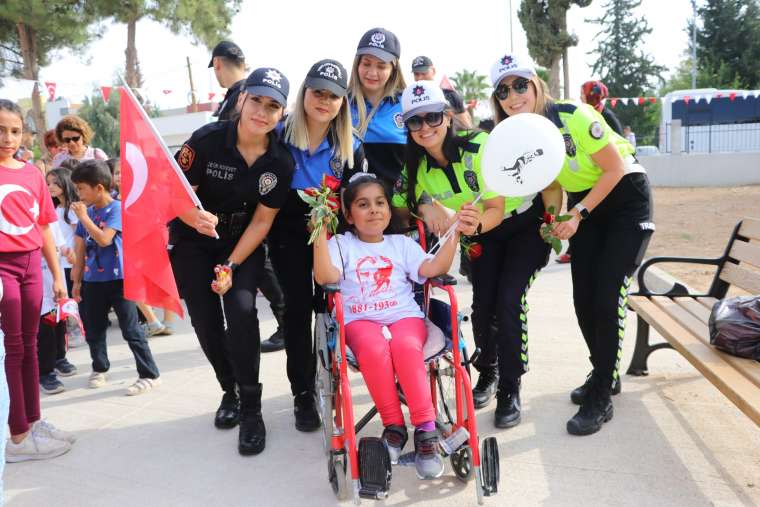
{"points": [[361, 468]]}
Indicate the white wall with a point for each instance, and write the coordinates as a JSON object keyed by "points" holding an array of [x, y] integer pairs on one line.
{"points": [[176, 129], [703, 169]]}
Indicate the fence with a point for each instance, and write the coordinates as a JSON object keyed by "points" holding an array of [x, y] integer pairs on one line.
{"points": [[722, 138]]}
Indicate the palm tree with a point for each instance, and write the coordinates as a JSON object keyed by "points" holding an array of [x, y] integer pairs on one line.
{"points": [[471, 85]]}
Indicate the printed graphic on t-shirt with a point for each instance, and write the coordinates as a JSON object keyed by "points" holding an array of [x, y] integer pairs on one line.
{"points": [[374, 277]]}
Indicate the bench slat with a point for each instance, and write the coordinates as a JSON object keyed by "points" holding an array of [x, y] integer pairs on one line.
{"points": [[747, 367], [707, 302], [737, 388], [695, 308], [741, 278], [743, 251], [750, 228]]}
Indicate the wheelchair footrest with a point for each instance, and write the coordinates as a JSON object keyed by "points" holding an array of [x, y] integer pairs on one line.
{"points": [[489, 461], [374, 468]]}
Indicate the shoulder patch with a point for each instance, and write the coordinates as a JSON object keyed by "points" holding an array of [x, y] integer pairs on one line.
{"points": [[186, 157], [337, 166], [267, 182], [398, 120], [596, 130], [472, 180]]}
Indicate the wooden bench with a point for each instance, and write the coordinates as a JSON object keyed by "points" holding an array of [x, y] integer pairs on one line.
{"points": [[681, 318]]}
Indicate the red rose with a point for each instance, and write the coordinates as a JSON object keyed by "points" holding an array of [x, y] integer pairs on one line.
{"points": [[333, 203], [474, 251], [331, 182], [311, 192], [548, 218]]}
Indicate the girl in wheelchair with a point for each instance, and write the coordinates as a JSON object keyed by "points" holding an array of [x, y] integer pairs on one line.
{"points": [[385, 326]]}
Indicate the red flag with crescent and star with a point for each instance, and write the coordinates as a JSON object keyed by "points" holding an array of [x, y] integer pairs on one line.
{"points": [[154, 191]]}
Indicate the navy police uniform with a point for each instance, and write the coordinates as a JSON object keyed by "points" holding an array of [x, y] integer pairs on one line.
{"points": [[384, 139]]}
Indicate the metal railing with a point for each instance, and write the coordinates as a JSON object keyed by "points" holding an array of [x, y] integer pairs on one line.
{"points": [[723, 138]]}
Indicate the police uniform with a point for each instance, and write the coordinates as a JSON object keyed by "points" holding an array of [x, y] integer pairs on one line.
{"points": [[227, 108], [230, 189], [610, 242], [384, 139], [511, 254], [293, 256]]}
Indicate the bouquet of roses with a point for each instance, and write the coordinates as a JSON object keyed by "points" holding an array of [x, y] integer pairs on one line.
{"points": [[325, 204], [550, 218]]}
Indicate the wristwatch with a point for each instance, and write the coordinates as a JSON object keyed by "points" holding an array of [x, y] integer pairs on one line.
{"points": [[582, 211], [231, 265]]}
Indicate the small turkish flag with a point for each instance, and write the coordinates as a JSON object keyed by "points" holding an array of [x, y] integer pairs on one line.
{"points": [[732, 96], [211, 96], [641, 101], [156, 192], [106, 92], [653, 100], [446, 84], [686, 99], [613, 103], [51, 90]]}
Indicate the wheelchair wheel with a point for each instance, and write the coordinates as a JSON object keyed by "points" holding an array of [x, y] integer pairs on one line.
{"points": [[489, 465], [324, 383], [447, 394], [338, 470], [461, 463]]}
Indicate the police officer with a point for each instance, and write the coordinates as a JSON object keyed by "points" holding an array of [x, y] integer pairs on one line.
{"points": [[375, 91], [241, 173], [505, 248], [610, 203], [228, 62], [320, 138], [424, 70]]}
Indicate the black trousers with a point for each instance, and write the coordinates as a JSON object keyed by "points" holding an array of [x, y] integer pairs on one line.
{"points": [[270, 286], [293, 260], [512, 254], [234, 353], [51, 346], [607, 248]]}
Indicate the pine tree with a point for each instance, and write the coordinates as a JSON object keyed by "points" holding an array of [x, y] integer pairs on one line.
{"points": [[103, 118], [623, 65]]}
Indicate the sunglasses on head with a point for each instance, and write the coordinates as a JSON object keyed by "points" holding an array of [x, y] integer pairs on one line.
{"points": [[72, 139], [432, 119], [519, 85]]}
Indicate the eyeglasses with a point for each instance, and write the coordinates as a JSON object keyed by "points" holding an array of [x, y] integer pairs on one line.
{"points": [[519, 85], [432, 119], [72, 139]]}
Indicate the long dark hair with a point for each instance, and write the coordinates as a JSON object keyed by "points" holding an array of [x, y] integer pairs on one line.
{"points": [[413, 154], [69, 195]]}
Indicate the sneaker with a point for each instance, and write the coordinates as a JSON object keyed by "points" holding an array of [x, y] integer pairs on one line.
{"points": [[35, 447], [64, 368], [153, 329], [43, 428], [485, 389], [395, 438], [50, 384], [143, 385], [168, 330], [97, 379], [427, 458]]}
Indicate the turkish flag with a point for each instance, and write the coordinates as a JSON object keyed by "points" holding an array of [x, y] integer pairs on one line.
{"points": [[446, 84], [106, 92], [154, 192], [51, 90]]}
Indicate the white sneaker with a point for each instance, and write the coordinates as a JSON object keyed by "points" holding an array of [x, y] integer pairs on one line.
{"points": [[35, 447], [143, 385], [97, 379], [45, 429]]}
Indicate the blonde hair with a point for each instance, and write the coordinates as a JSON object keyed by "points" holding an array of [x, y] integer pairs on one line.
{"points": [[341, 132], [393, 87], [543, 99]]}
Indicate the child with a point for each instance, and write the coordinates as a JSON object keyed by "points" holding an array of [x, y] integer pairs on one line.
{"points": [[385, 327], [26, 211], [99, 264]]}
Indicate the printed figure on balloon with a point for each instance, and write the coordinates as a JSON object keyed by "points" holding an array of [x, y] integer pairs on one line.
{"points": [[523, 160]]}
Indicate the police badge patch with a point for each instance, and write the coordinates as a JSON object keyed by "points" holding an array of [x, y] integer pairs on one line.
{"points": [[398, 120], [267, 182], [569, 145], [472, 180], [186, 157], [596, 130], [337, 166]]}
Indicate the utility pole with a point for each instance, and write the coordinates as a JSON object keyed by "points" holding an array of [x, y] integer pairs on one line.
{"points": [[511, 45], [694, 45], [193, 99]]}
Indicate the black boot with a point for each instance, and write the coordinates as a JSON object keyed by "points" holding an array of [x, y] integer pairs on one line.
{"points": [[485, 389], [277, 340], [577, 395], [508, 405], [228, 413], [596, 409], [252, 437], [305, 410]]}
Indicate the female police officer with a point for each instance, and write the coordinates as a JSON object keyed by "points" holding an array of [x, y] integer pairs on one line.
{"points": [[506, 248], [320, 138], [242, 175], [610, 203]]}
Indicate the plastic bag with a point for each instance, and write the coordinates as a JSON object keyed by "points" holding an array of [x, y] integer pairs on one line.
{"points": [[735, 326]]}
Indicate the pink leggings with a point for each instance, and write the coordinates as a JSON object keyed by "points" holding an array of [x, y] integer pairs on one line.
{"points": [[381, 360]]}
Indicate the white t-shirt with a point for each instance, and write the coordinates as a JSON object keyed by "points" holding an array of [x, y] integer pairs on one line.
{"points": [[48, 298], [67, 230], [376, 278]]}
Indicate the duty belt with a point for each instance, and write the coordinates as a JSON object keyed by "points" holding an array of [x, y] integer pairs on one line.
{"points": [[232, 225], [522, 208]]}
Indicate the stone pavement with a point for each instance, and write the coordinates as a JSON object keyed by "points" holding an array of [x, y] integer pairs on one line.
{"points": [[674, 440]]}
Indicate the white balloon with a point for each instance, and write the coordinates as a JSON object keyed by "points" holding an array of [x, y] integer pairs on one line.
{"points": [[139, 166], [523, 155]]}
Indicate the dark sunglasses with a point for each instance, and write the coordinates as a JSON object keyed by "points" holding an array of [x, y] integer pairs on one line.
{"points": [[519, 85], [72, 139], [432, 119]]}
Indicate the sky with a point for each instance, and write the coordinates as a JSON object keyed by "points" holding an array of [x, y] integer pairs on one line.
{"points": [[292, 35]]}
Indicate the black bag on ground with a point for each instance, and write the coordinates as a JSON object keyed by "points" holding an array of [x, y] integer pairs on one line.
{"points": [[735, 326]]}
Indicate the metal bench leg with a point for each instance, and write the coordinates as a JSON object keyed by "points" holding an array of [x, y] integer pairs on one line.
{"points": [[638, 364]]}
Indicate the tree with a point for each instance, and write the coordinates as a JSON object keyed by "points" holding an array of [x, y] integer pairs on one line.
{"points": [[545, 25], [205, 21], [623, 65], [103, 118], [728, 43], [471, 85], [31, 30]]}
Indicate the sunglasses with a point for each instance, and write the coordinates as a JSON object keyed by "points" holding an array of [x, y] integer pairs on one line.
{"points": [[432, 119], [72, 139], [519, 85]]}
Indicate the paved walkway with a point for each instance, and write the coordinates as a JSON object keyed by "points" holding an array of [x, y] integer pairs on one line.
{"points": [[675, 440]]}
